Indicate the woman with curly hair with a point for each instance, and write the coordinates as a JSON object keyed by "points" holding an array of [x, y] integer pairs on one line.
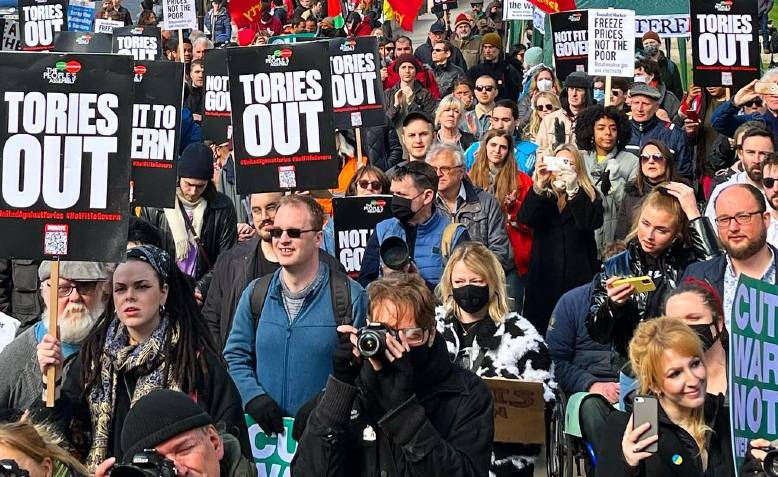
{"points": [[543, 104], [602, 134]]}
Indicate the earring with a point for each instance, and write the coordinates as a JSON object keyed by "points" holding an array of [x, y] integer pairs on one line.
{"points": [[161, 310]]}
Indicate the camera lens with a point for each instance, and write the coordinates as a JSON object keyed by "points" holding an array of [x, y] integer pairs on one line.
{"points": [[369, 343], [771, 463]]}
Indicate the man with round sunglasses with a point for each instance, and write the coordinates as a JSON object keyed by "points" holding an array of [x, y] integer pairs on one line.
{"points": [[279, 348], [485, 91], [727, 118]]}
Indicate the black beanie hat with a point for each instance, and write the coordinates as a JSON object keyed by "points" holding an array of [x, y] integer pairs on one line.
{"points": [[158, 416], [196, 162], [578, 79]]}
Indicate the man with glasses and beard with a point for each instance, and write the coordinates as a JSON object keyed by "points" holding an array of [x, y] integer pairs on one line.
{"points": [[81, 297], [297, 309], [742, 221]]}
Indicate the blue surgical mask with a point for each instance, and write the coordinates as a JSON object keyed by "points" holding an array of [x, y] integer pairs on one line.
{"points": [[599, 95]]}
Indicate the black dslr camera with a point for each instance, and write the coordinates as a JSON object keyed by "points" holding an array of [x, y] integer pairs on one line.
{"points": [[770, 462], [371, 340], [146, 464], [9, 468]]}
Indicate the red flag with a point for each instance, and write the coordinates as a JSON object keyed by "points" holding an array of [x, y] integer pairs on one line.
{"points": [[554, 6], [244, 13], [405, 12]]}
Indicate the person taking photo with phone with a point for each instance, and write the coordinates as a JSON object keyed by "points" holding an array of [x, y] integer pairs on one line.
{"points": [[676, 428], [727, 117]]}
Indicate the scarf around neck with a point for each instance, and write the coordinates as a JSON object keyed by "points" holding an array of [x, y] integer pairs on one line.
{"points": [[181, 236]]}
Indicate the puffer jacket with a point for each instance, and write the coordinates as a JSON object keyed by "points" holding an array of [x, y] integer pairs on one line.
{"points": [[608, 322], [219, 25], [382, 146], [19, 291], [672, 137], [512, 349]]}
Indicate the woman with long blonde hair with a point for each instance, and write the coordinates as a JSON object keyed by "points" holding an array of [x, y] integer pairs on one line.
{"points": [[484, 336], [543, 104], [693, 435], [563, 209], [34, 449]]}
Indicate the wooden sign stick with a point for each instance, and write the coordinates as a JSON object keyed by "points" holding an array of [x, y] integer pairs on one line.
{"points": [[51, 371]]}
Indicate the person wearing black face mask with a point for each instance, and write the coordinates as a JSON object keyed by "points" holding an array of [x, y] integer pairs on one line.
{"points": [[699, 305], [483, 336], [407, 411]]}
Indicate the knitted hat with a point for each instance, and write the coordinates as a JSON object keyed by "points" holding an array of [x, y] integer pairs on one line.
{"points": [[492, 39], [461, 18], [650, 35], [407, 58], [533, 56], [196, 162], [158, 416], [246, 36]]}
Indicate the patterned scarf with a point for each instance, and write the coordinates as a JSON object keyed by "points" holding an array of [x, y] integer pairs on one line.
{"points": [[148, 362]]}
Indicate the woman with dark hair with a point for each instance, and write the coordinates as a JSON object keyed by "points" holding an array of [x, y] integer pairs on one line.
{"points": [[147, 18], [647, 71], [150, 336], [602, 134], [657, 165]]}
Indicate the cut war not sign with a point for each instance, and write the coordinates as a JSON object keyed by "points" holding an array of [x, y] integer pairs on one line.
{"points": [[39, 21], [64, 137], [216, 97], [357, 92], [571, 42], [144, 43], [355, 218], [281, 99], [517, 10], [156, 122], [272, 454], [753, 364], [179, 15], [611, 43], [725, 44]]}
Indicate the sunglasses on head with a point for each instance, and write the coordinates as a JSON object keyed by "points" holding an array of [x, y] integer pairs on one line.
{"points": [[655, 157], [364, 184], [292, 233], [488, 89], [544, 107], [769, 182]]}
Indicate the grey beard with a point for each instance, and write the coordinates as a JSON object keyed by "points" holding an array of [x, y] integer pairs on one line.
{"points": [[74, 331]]}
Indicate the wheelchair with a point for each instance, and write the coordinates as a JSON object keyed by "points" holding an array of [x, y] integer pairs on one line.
{"points": [[566, 455]]}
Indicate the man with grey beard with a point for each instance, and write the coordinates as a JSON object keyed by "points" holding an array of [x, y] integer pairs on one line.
{"points": [[82, 293]]}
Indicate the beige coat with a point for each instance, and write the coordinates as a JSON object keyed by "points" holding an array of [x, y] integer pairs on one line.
{"points": [[470, 48], [545, 137]]}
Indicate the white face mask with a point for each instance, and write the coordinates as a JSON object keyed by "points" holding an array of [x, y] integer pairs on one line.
{"points": [[544, 85], [640, 79]]}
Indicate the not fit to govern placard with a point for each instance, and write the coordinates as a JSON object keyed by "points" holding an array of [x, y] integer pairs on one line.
{"points": [[611, 43], [179, 15]]}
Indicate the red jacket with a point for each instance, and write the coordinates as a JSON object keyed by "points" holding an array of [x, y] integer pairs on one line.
{"points": [[424, 76], [519, 234]]}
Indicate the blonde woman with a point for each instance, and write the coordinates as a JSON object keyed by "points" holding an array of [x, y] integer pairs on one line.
{"points": [[563, 209], [447, 118], [33, 449], [694, 433], [543, 104], [483, 336]]}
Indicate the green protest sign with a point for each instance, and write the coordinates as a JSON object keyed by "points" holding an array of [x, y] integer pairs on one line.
{"points": [[753, 364], [272, 454]]}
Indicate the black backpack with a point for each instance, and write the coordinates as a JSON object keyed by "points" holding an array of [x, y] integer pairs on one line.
{"points": [[340, 289]]}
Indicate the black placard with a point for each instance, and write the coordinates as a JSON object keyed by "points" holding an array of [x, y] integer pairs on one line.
{"points": [[216, 97], [570, 34], [144, 43], [357, 91], [439, 6], [11, 40], [65, 138], [355, 218], [725, 42], [281, 100], [39, 20], [82, 42], [156, 126]]}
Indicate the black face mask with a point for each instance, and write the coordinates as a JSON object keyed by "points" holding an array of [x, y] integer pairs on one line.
{"points": [[705, 334], [402, 208], [471, 298]]}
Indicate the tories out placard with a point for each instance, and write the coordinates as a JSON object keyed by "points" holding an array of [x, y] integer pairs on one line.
{"points": [[216, 97], [355, 218], [725, 43], [281, 98], [82, 42], [64, 135], [611, 42], [156, 126], [144, 43], [357, 92], [569, 31], [39, 21], [753, 364]]}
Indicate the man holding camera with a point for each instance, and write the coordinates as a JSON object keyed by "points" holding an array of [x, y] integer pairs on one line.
{"points": [[167, 433], [395, 405]]}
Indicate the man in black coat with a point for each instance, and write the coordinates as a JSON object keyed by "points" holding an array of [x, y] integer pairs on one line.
{"points": [[436, 34], [507, 72], [409, 412], [382, 146]]}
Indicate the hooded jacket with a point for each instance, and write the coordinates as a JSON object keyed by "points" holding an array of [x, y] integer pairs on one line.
{"points": [[219, 24]]}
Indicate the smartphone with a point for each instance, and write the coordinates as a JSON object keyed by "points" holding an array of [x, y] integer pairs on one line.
{"points": [[766, 87], [554, 164], [642, 284], [646, 409], [693, 115]]}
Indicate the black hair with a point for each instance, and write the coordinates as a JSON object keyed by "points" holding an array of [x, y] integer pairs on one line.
{"points": [[621, 83], [422, 174], [758, 131], [417, 115], [671, 173], [509, 104], [710, 297], [143, 232], [651, 67], [565, 102], [464, 81], [584, 126]]}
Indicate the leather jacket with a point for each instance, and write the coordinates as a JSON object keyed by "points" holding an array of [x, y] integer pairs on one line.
{"points": [[608, 322]]}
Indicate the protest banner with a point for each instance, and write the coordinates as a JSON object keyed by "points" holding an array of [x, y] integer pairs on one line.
{"points": [[156, 126], [82, 42], [243, 13], [554, 6], [753, 364], [11, 40], [216, 97], [517, 10], [519, 411], [272, 454], [144, 43], [39, 20], [80, 15], [179, 15], [291, 39], [354, 221], [539, 20], [611, 44], [281, 98], [107, 26], [440, 6], [357, 92], [725, 43], [571, 42], [666, 26]]}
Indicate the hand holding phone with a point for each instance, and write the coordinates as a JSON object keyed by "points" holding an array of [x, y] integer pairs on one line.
{"points": [[642, 284], [555, 164], [766, 87], [641, 436]]}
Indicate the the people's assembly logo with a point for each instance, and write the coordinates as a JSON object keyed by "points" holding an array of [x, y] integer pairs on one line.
{"points": [[84, 39], [375, 206], [279, 57], [139, 71], [63, 72]]}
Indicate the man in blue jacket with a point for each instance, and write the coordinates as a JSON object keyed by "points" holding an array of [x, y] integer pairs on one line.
{"points": [[281, 358], [726, 118]]}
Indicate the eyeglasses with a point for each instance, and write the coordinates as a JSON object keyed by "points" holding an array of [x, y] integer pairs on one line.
{"points": [[488, 89], [769, 182], [439, 50], [616, 92], [651, 157], [446, 170], [84, 288], [753, 103], [292, 233], [413, 336], [743, 218], [373, 185], [544, 107]]}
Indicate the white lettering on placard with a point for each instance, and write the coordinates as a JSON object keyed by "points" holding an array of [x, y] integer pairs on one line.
{"points": [[153, 132], [217, 93], [353, 77], [140, 47], [724, 39], [40, 23]]}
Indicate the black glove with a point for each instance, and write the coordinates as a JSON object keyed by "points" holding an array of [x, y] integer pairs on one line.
{"points": [[393, 384], [344, 364], [266, 413], [605, 182]]}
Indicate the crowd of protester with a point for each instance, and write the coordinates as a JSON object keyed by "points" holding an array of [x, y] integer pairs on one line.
{"points": [[523, 199]]}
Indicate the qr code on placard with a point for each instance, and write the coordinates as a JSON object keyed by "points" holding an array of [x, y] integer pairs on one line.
{"points": [[55, 239], [286, 177]]}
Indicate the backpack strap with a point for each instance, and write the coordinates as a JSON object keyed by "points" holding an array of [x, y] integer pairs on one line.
{"points": [[340, 291], [447, 241], [258, 295]]}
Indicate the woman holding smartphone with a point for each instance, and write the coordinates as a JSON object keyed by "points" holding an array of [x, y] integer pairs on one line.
{"points": [[676, 429]]}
